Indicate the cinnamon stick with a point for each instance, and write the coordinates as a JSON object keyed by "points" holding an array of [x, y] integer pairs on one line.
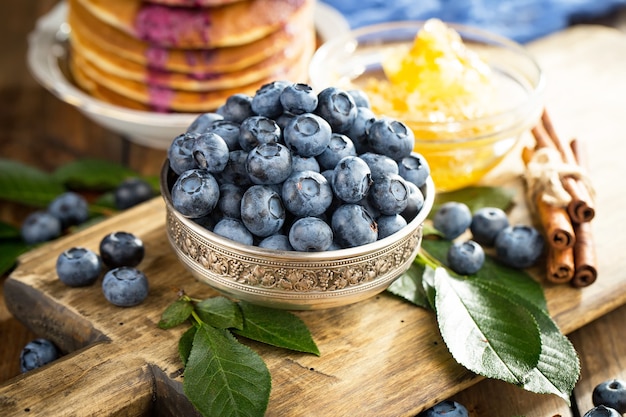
{"points": [[580, 208], [560, 265], [557, 225], [585, 261]]}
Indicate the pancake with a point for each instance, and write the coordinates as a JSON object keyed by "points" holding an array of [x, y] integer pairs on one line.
{"points": [[192, 3], [233, 24], [94, 33], [212, 80], [139, 95]]}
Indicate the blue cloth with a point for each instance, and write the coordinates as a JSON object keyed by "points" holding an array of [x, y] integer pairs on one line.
{"points": [[521, 20]]}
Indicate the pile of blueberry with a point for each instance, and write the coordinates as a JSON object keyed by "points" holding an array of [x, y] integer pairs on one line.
{"points": [[517, 246], [120, 252], [71, 209], [291, 169]]}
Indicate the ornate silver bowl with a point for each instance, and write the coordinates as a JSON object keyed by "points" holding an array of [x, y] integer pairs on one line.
{"points": [[289, 279]]}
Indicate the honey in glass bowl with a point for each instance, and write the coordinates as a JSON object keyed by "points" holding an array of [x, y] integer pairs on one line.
{"points": [[468, 95]]}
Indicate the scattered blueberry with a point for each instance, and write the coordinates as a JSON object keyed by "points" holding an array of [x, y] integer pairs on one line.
{"points": [[392, 138], [195, 193], [262, 210], [487, 222], [352, 179], [40, 226], [132, 191], [37, 353], [269, 163], [465, 258], [78, 267], [121, 249], [298, 98], [306, 193], [414, 168], [337, 107], [307, 134], [452, 219], [602, 411], [519, 246], [445, 408], [310, 234], [210, 152], [236, 108], [233, 229], [70, 208], [125, 286], [611, 393], [353, 226]]}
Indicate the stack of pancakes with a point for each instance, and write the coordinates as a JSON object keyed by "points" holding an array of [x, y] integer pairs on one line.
{"points": [[187, 55]]}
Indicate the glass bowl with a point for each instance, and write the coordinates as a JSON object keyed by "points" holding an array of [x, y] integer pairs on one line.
{"points": [[47, 61], [289, 279], [459, 152]]}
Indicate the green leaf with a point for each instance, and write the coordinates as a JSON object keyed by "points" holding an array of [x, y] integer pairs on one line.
{"points": [[409, 286], [278, 328], [224, 377], [485, 331], [23, 184], [92, 174], [185, 344], [176, 313], [558, 368], [493, 273], [220, 312], [477, 197], [10, 250], [8, 231]]}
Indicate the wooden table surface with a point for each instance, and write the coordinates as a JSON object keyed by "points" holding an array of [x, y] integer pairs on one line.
{"points": [[30, 117]]}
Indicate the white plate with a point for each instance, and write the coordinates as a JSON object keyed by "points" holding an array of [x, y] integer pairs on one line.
{"points": [[47, 46]]}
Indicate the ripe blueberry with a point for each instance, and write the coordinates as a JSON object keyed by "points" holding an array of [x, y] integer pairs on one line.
{"points": [[262, 210], [70, 208], [465, 258], [337, 107], [121, 249], [611, 393], [39, 227], [233, 229], [391, 137], [352, 179], [131, 192], [445, 408], [519, 246], [37, 353], [310, 234], [389, 224], [236, 108], [353, 226], [125, 286], [452, 219], [602, 411], [195, 193], [487, 222], [78, 267]]}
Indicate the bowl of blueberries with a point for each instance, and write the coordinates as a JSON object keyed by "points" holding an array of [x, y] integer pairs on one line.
{"points": [[296, 199]]}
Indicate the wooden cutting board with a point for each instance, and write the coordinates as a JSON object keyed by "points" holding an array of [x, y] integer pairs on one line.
{"points": [[379, 357]]}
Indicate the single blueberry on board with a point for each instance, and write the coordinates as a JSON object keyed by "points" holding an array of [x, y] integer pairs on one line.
{"points": [[465, 258], [121, 249], [132, 191], [125, 286], [445, 408], [487, 222], [39, 227], [610, 393], [37, 353], [70, 208], [519, 246], [452, 219], [78, 267]]}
